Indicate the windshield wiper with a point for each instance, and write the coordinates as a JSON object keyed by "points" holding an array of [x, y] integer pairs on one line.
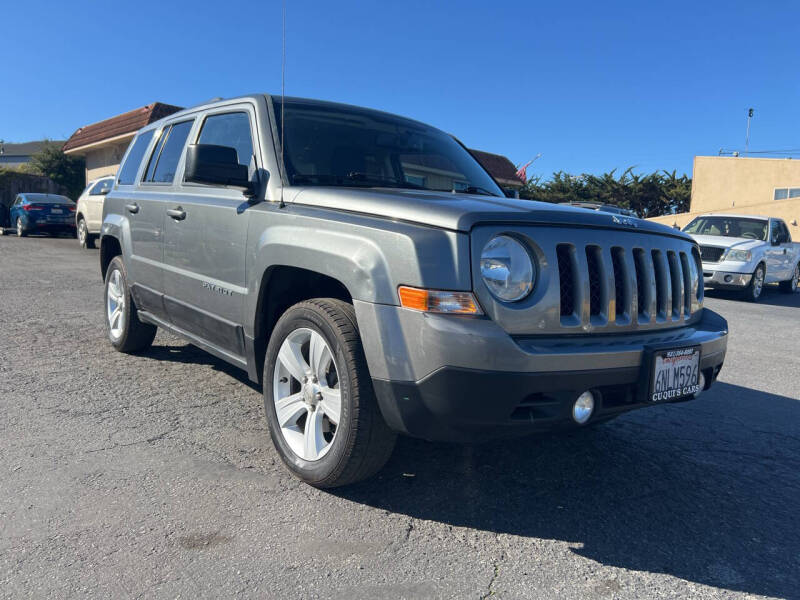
{"points": [[354, 177], [472, 189]]}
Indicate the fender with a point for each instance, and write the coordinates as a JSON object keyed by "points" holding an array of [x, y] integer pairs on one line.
{"points": [[353, 250]]}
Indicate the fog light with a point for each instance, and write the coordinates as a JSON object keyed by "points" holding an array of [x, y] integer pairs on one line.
{"points": [[701, 381], [728, 278], [583, 408]]}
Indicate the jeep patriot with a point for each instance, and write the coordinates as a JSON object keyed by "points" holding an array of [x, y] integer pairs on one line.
{"points": [[374, 279]]}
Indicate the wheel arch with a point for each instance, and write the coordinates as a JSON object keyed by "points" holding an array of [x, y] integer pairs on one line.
{"points": [[280, 288], [109, 248]]}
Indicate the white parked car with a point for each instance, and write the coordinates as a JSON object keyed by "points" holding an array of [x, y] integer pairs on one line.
{"points": [[89, 212], [745, 252]]}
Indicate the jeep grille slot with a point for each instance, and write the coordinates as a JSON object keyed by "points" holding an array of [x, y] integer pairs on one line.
{"points": [[687, 285], [594, 263], [643, 287], [663, 291], [567, 278], [676, 279], [620, 281]]}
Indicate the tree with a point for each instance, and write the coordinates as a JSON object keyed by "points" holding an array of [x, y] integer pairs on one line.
{"points": [[658, 193], [63, 169]]}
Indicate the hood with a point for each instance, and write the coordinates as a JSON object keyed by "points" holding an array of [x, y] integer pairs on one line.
{"points": [[461, 212], [720, 241]]}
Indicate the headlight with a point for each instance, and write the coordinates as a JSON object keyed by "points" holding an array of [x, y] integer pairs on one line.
{"points": [[507, 269], [738, 255]]}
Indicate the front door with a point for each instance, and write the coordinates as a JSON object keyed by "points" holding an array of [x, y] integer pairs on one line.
{"points": [[775, 253], [205, 242]]}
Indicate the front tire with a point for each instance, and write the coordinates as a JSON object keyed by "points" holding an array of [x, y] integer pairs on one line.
{"points": [[752, 293], [125, 331], [84, 237], [321, 409], [790, 286]]}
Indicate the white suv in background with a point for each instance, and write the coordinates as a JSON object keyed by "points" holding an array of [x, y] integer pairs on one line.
{"points": [[89, 212]]}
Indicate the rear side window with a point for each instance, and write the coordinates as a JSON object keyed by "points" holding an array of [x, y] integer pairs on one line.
{"points": [[128, 170], [232, 130], [164, 161]]}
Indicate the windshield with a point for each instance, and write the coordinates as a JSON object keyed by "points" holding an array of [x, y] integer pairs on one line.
{"points": [[754, 229], [333, 145]]}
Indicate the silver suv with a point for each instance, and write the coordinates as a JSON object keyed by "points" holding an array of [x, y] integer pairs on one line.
{"points": [[373, 278]]}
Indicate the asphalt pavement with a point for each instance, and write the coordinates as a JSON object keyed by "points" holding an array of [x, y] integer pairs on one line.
{"points": [[153, 476]]}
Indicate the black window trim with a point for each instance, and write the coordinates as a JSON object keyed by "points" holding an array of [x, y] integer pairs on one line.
{"points": [[167, 127]]}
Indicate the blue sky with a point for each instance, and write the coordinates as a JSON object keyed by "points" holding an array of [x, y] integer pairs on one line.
{"points": [[591, 85]]}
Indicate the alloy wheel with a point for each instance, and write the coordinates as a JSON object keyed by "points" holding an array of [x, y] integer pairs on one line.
{"points": [[115, 304], [20, 229], [306, 394], [758, 282], [82, 232]]}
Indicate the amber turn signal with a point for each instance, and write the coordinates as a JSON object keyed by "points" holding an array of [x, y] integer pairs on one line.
{"points": [[456, 303]]}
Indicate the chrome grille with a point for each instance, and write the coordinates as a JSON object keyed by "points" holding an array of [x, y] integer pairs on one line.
{"points": [[711, 253]]}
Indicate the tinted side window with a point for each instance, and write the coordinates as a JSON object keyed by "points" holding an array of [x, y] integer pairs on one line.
{"points": [[171, 151], [232, 130], [127, 172]]}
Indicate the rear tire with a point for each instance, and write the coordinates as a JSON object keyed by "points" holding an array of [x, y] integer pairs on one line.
{"points": [[125, 331], [790, 286], [20, 229], [357, 442], [85, 238], [753, 291]]}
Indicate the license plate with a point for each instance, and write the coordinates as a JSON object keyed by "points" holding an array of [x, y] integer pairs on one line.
{"points": [[676, 374], [56, 211]]}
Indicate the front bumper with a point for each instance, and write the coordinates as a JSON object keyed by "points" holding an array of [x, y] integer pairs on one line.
{"points": [[448, 378], [726, 279]]}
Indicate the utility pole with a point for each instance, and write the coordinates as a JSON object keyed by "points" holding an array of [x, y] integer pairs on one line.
{"points": [[747, 135]]}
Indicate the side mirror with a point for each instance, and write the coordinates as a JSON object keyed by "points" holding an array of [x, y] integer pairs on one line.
{"points": [[217, 165], [105, 191]]}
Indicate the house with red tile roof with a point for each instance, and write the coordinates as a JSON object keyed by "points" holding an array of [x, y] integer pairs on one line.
{"points": [[103, 144]]}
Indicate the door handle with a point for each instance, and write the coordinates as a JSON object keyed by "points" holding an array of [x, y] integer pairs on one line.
{"points": [[177, 213], [132, 208]]}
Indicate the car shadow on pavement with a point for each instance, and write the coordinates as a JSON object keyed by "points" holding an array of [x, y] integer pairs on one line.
{"points": [[771, 296], [190, 354], [705, 491]]}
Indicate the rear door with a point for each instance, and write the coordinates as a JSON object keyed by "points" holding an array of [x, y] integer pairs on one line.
{"points": [[145, 216], [206, 238]]}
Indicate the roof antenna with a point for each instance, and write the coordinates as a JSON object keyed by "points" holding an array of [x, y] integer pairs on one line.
{"points": [[283, 91]]}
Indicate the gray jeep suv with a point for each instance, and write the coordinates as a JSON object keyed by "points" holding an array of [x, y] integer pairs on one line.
{"points": [[373, 278]]}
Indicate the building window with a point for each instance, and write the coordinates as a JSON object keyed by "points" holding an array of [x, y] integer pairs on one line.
{"points": [[784, 193], [415, 180]]}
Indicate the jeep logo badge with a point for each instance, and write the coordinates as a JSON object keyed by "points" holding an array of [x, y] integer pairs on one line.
{"points": [[626, 221]]}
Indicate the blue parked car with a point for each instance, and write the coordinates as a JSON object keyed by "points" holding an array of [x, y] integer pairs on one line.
{"points": [[48, 213]]}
